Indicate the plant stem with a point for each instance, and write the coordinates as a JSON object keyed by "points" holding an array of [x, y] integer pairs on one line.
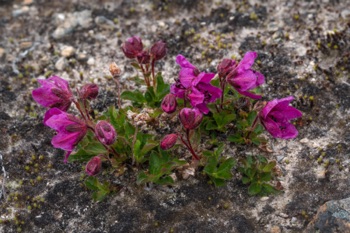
{"points": [[195, 156], [253, 126], [153, 76]]}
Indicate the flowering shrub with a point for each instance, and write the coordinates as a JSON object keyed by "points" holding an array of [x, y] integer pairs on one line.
{"points": [[207, 107]]}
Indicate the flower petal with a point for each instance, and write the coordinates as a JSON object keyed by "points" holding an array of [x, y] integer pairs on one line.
{"points": [[203, 78], [65, 141], [244, 81], [203, 108], [247, 61], [289, 132], [196, 97], [186, 77], [249, 94], [272, 127], [51, 112], [182, 61], [178, 92]]}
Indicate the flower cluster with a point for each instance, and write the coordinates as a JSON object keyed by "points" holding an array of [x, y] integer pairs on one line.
{"points": [[203, 103], [146, 58], [56, 95]]}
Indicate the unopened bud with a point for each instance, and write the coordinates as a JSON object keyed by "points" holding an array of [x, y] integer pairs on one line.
{"points": [[225, 67], [132, 47], [93, 167], [168, 141], [158, 50], [169, 103], [88, 91], [144, 57], [105, 132], [190, 118], [114, 70]]}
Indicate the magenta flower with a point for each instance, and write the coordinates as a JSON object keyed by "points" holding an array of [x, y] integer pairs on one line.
{"points": [[243, 78], [132, 47], [54, 93], [190, 118], [105, 132], [195, 86], [70, 130], [93, 167], [275, 117], [168, 141]]}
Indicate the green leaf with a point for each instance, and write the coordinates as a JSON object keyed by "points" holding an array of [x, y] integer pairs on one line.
{"points": [[135, 96], [268, 189], [219, 150], [254, 189], [164, 180], [148, 147], [210, 168], [224, 170], [91, 183], [142, 178], [237, 138], [87, 152], [258, 129], [162, 88], [269, 166], [154, 164], [150, 96], [265, 176], [251, 117], [218, 182], [137, 151], [245, 180], [211, 125]]}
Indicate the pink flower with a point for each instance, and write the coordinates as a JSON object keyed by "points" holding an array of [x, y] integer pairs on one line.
{"points": [[195, 86], [190, 118], [132, 47], [54, 93], [168, 141], [93, 167], [275, 117], [105, 133], [243, 78], [70, 130]]}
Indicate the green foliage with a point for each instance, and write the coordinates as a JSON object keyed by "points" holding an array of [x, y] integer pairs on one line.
{"points": [[219, 121], [161, 165], [152, 97], [100, 190], [218, 168], [257, 172], [87, 148], [244, 133]]}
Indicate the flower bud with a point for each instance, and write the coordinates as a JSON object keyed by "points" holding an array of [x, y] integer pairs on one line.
{"points": [[190, 118], [168, 141], [158, 50], [225, 67], [144, 57], [93, 167], [114, 70], [132, 47], [88, 91], [105, 132], [169, 103]]}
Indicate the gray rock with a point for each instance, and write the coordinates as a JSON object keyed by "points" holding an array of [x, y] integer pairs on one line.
{"points": [[61, 63], [20, 11], [104, 22], [71, 22], [333, 216]]}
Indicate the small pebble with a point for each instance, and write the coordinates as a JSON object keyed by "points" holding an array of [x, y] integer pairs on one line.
{"points": [[61, 63], [68, 51]]}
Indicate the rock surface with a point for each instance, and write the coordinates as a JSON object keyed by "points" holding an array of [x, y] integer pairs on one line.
{"points": [[303, 50]]}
